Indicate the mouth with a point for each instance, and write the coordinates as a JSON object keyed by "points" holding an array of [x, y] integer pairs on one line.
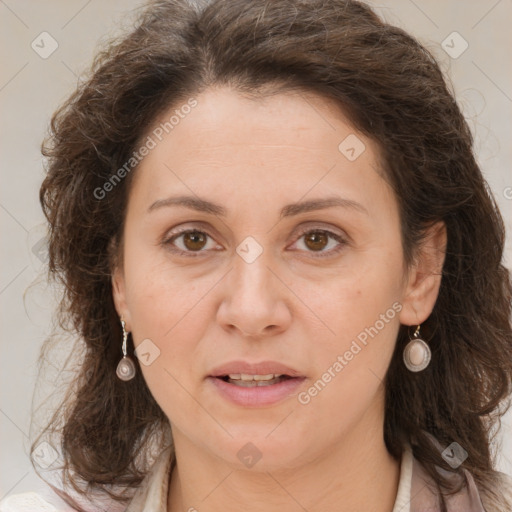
{"points": [[245, 380], [255, 384]]}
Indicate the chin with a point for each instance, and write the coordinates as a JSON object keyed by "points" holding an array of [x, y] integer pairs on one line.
{"points": [[259, 452]]}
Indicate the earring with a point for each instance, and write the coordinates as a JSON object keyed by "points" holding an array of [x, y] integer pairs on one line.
{"points": [[126, 367], [417, 353]]}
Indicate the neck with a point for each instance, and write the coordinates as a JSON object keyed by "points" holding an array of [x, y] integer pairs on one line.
{"points": [[356, 474]]}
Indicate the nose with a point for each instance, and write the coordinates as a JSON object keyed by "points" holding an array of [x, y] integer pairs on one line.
{"points": [[255, 301]]}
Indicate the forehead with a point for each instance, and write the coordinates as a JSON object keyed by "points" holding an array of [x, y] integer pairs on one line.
{"points": [[223, 115], [289, 142]]}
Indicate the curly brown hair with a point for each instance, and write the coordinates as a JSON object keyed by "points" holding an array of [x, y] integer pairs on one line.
{"points": [[393, 91]]}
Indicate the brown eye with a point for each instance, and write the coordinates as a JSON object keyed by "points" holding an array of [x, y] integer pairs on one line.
{"points": [[194, 240], [316, 240], [321, 243], [190, 242]]}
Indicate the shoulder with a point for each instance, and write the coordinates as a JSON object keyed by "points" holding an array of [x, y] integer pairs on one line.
{"points": [[489, 492], [47, 500], [30, 501], [496, 492]]}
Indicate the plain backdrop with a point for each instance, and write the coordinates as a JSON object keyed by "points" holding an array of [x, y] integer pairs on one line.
{"points": [[471, 39]]}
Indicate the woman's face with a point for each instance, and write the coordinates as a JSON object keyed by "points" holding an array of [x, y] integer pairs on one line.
{"points": [[286, 252]]}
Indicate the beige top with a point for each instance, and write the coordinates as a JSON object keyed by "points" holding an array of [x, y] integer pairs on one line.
{"points": [[414, 493]]}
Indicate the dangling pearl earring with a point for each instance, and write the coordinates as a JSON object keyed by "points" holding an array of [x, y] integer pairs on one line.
{"points": [[126, 367], [417, 353]]}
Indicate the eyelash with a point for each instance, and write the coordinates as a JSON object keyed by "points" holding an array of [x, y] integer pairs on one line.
{"points": [[168, 241]]}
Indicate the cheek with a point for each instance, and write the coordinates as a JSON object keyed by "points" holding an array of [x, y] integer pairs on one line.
{"points": [[171, 309], [350, 366], [358, 294], [166, 308], [158, 294], [361, 307]]}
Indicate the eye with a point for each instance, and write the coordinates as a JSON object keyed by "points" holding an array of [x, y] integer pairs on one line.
{"points": [[322, 241], [192, 242], [188, 242]]}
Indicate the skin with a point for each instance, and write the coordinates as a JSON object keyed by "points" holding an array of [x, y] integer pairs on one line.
{"points": [[289, 305]]}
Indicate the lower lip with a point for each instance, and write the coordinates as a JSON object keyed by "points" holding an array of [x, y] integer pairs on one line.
{"points": [[257, 396]]}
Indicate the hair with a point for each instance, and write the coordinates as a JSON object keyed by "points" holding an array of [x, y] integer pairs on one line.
{"points": [[393, 91]]}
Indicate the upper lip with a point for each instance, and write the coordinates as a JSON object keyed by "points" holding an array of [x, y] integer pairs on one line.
{"points": [[262, 368]]}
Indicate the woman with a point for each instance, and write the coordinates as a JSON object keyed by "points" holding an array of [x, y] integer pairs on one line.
{"points": [[285, 267]]}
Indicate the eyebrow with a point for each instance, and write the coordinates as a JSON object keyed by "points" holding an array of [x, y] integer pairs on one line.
{"points": [[202, 205]]}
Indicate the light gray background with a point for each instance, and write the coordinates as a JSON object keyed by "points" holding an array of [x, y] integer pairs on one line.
{"points": [[32, 87]]}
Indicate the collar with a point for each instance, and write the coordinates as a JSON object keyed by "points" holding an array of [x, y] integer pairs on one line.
{"points": [[151, 496]]}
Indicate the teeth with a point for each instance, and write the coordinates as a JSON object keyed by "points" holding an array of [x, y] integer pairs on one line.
{"points": [[252, 381], [270, 376], [247, 377]]}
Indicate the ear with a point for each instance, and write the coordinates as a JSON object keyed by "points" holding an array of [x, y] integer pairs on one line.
{"points": [[119, 296], [424, 277]]}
